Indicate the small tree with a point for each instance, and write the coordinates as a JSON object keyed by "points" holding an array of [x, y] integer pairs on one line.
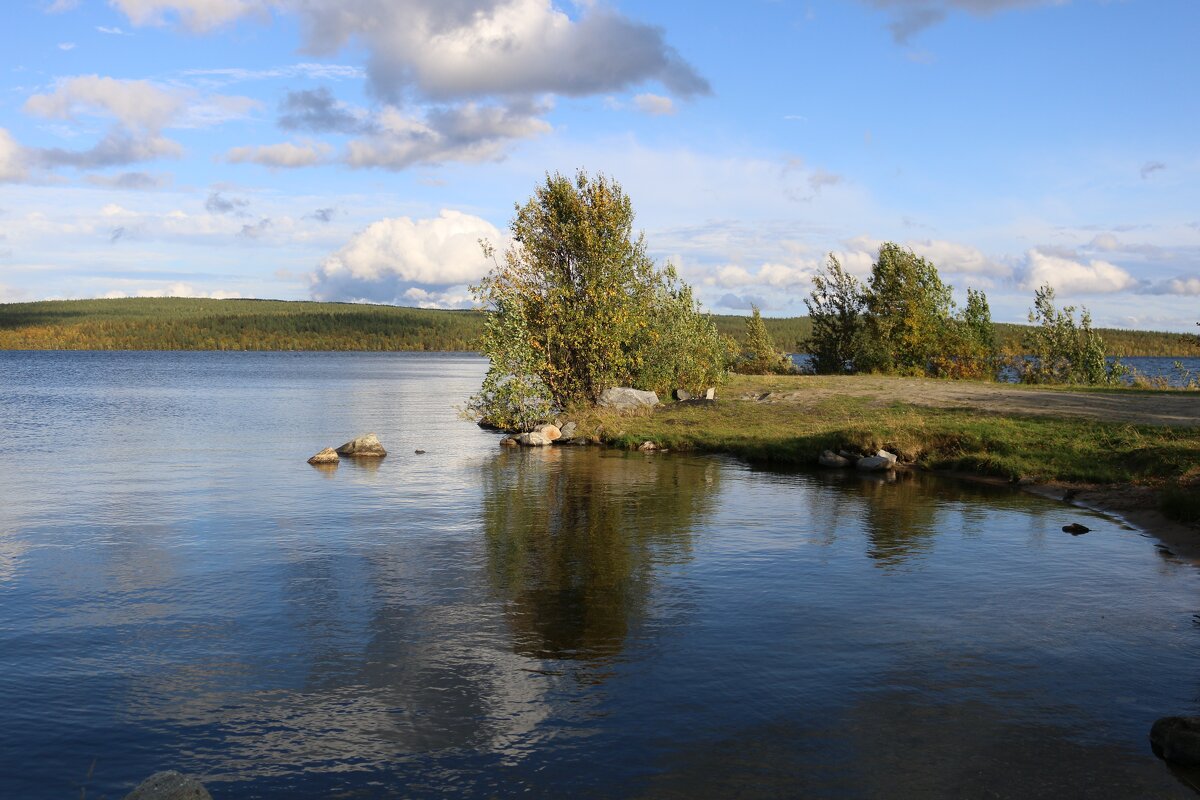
{"points": [[1059, 351], [578, 306], [908, 312], [836, 308], [759, 355]]}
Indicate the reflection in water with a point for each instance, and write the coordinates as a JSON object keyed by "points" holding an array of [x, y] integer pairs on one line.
{"points": [[574, 537]]}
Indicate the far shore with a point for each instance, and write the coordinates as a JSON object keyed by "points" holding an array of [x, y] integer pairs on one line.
{"points": [[1115, 452]]}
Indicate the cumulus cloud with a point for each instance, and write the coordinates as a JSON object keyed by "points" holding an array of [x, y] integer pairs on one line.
{"points": [[14, 159], [118, 148], [910, 17], [135, 104], [1187, 286], [393, 256], [284, 155], [1069, 275], [317, 110], [654, 104], [198, 15], [469, 132]]}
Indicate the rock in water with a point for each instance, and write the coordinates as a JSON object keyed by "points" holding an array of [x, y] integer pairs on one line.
{"points": [[363, 447], [622, 398], [1075, 529], [833, 460], [508, 441], [170, 785], [532, 439], [419, 452], [647, 446], [1177, 739], [326, 456], [891, 457], [875, 463]]}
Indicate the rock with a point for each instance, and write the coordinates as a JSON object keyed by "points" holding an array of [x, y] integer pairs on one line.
{"points": [[891, 457], [710, 394], [833, 460], [1075, 529], [683, 394], [170, 785], [875, 463], [532, 439], [326, 456], [568, 430], [647, 446], [508, 441], [576, 441], [623, 398], [363, 447], [551, 432], [1177, 739], [419, 452], [851, 457]]}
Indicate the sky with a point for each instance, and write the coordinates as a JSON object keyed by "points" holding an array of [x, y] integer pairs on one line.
{"points": [[357, 150]]}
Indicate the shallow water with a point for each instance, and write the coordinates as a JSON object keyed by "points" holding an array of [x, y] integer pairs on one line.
{"points": [[178, 589]]}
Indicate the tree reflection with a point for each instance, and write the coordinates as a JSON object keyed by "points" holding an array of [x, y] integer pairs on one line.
{"points": [[574, 538]]}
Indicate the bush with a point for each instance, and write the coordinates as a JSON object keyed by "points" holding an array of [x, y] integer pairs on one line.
{"points": [[1059, 351], [837, 308], [577, 307]]}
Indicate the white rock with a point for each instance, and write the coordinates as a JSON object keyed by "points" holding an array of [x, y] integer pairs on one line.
{"points": [[532, 439], [622, 398], [875, 463]]}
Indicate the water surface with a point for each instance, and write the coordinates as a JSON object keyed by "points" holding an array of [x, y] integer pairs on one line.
{"points": [[178, 589]]}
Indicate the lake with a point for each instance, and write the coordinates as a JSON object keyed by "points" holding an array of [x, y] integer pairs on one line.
{"points": [[180, 590]]}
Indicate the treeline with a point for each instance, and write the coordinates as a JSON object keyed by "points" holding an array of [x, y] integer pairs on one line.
{"points": [[178, 323]]}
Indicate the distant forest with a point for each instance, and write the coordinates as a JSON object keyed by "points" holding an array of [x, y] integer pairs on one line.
{"points": [[176, 323]]}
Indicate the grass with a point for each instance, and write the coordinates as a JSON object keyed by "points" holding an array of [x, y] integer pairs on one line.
{"points": [[1008, 446]]}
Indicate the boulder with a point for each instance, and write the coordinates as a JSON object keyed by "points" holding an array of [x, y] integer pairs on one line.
{"points": [[875, 463], [647, 446], [532, 439], [833, 460], [169, 785], [326, 456], [683, 394], [568, 430], [891, 457], [1075, 529], [710, 394], [419, 452], [622, 398], [551, 432], [508, 441], [1177, 739], [851, 457], [363, 447]]}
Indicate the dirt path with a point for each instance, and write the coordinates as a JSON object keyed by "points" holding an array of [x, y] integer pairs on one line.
{"points": [[1176, 409]]}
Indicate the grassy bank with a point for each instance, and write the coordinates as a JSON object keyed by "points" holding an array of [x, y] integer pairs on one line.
{"points": [[1017, 448], [178, 323]]}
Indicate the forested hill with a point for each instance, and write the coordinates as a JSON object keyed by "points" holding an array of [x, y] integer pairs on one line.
{"points": [[177, 323]]}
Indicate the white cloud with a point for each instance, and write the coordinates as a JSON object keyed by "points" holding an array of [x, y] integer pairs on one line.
{"points": [[174, 289], [13, 159], [654, 104], [199, 15], [1184, 286], [66, 46], [282, 155], [1068, 275], [960, 259], [393, 256], [130, 180], [135, 104]]}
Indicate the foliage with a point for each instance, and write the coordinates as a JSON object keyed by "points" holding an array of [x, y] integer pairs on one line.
{"points": [[836, 308], [1060, 351], [759, 355], [903, 322], [578, 306]]}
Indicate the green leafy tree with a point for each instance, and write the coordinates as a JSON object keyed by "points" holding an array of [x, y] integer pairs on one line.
{"points": [[837, 308], [909, 311], [578, 306], [1061, 351], [760, 356]]}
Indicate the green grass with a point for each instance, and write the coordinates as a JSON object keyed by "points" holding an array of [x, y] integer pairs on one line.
{"points": [[1008, 446]]}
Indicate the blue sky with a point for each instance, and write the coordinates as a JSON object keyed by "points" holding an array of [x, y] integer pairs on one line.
{"points": [[358, 149]]}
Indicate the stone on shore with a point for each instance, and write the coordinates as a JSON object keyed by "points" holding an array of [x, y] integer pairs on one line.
{"points": [[1177, 739], [169, 785], [363, 447], [833, 460], [532, 439], [508, 441], [647, 446], [683, 394], [551, 432], [710, 393], [622, 398], [882, 460], [568, 430], [326, 456]]}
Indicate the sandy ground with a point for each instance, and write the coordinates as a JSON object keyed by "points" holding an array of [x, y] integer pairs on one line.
{"points": [[1176, 409]]}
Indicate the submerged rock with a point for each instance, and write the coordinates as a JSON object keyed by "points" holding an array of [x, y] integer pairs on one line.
{"points": [[169, 785], [326, 456], [419, 452], [1177, 739], [1075, 529], [622, 398], [367, 446], [833, 460], [508, 441]]}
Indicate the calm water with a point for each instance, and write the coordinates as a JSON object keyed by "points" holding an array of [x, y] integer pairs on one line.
{"points": [[178, 589]]}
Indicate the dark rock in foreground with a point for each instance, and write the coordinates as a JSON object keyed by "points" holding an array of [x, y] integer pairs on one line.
{"points": [[1075, 529], [170, 785], [1177, 739], [363, 447]]}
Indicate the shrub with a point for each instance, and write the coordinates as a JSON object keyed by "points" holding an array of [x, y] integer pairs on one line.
{"points": [[837, 308], [1060, 351]]}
